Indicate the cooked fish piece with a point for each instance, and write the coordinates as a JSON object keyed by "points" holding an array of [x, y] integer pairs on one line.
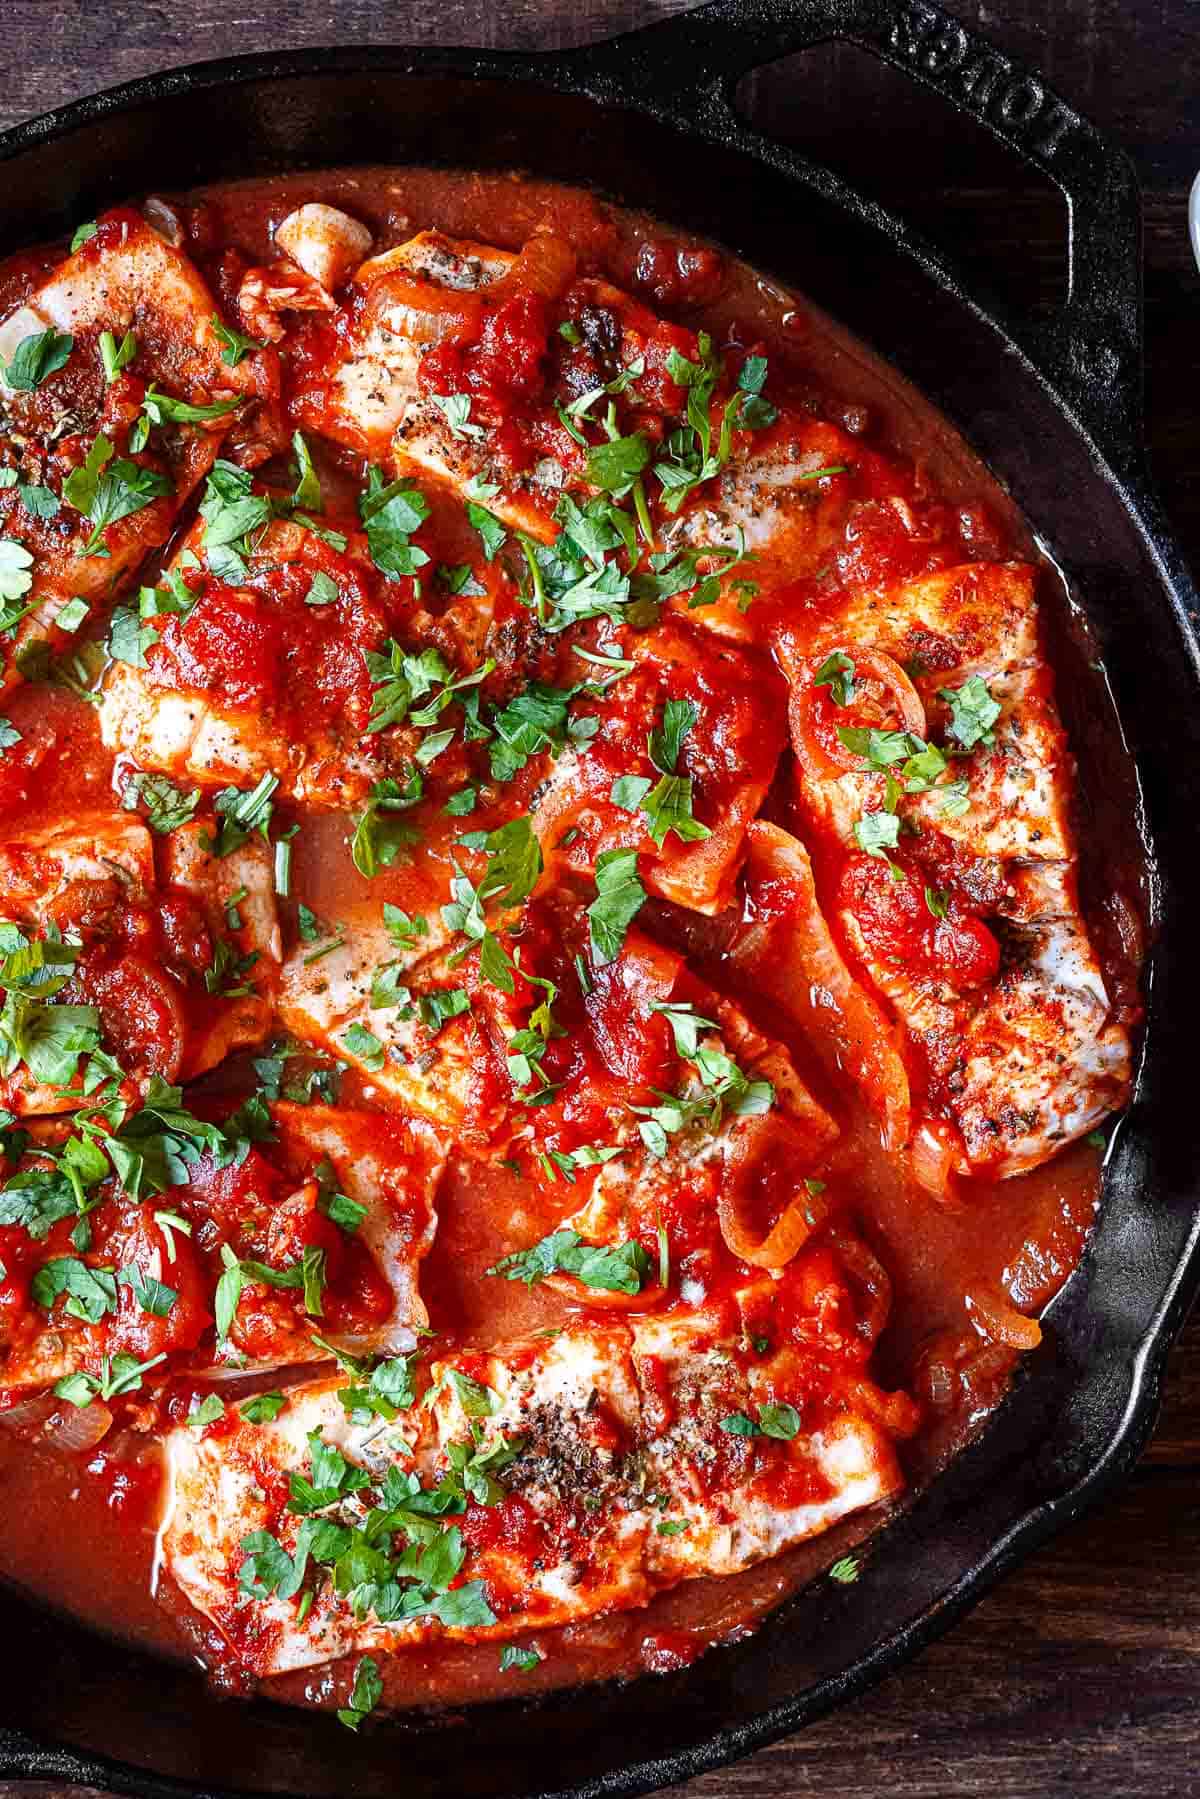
{"points": [[264, 678], [717, 780], [51, 874], [421, 1049], [975, 623], [371, 391], [221, 1491], [545, 1476], [575, 1527], [969, 924], [1043, 1062], [149, 956], [729, 1492], [137, 1290], [124, 279], [787, 483], [357, 1187]]}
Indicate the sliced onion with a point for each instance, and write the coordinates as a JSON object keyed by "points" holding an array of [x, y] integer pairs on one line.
{"points": [[602, 1299], [823, 761], [863, 1265], [934, 1158], [801, 955], [55, 1422], [787, 1235], [546, 267], [164, 220], [420, 310], [899, 1415], [995, 1318], [76, 1429]]}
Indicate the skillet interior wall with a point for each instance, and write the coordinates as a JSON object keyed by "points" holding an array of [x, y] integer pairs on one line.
{"points": [[1059, 1423]]}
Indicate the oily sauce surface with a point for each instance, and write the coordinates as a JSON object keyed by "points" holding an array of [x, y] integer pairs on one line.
{"points": [[1025, 1235]]}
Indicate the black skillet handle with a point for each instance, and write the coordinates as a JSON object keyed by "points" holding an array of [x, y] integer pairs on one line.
{"points": [[1090, 350]]}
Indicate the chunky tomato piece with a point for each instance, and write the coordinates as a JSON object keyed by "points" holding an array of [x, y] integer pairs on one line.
{"points": [[894, 914], [138, 1242], [297, 1226], [185, 934], [240, 1197], [229, 644], [141, 1012], [360, 1296], [633, 1041]]}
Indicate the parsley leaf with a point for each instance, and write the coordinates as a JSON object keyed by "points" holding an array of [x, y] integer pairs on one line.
{"points": [[35, 357], [166, 806], [456, 409], [620, 1268], [379, 835], [390, 514], [616, 465], [243, 813], [233, 345], [165, 409], [116, 356], [779, 1421], [492, 533], [877, 832], [233, 513], [365, 1694], [15, 578], [973, 712], [620, 896], [264, 1408], [106, 491]]}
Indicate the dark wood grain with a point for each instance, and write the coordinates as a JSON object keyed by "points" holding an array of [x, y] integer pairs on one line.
{"points": [[1081, 1674]]}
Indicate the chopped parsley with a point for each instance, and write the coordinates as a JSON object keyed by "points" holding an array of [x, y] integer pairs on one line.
{"points": [[365, 1694], [106, 491], [456, 410], [380, 834], [668, 805], [234, 518], [620, 1268], [620, 896], [15, 578], [973, 712], [391, 512], [233, 344], [780, 1421], [242, 814], [37, 356], [167, 807], [264, 1408], [119, 1374], [116, 356]]}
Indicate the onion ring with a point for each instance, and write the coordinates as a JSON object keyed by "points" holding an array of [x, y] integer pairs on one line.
{"points": [[992, 1314]]}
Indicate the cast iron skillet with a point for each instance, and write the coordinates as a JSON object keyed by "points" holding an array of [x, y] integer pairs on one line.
{"points": [[1055, 410]]}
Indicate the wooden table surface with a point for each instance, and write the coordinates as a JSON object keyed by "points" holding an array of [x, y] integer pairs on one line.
{"points": [[1082, 1673]]}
